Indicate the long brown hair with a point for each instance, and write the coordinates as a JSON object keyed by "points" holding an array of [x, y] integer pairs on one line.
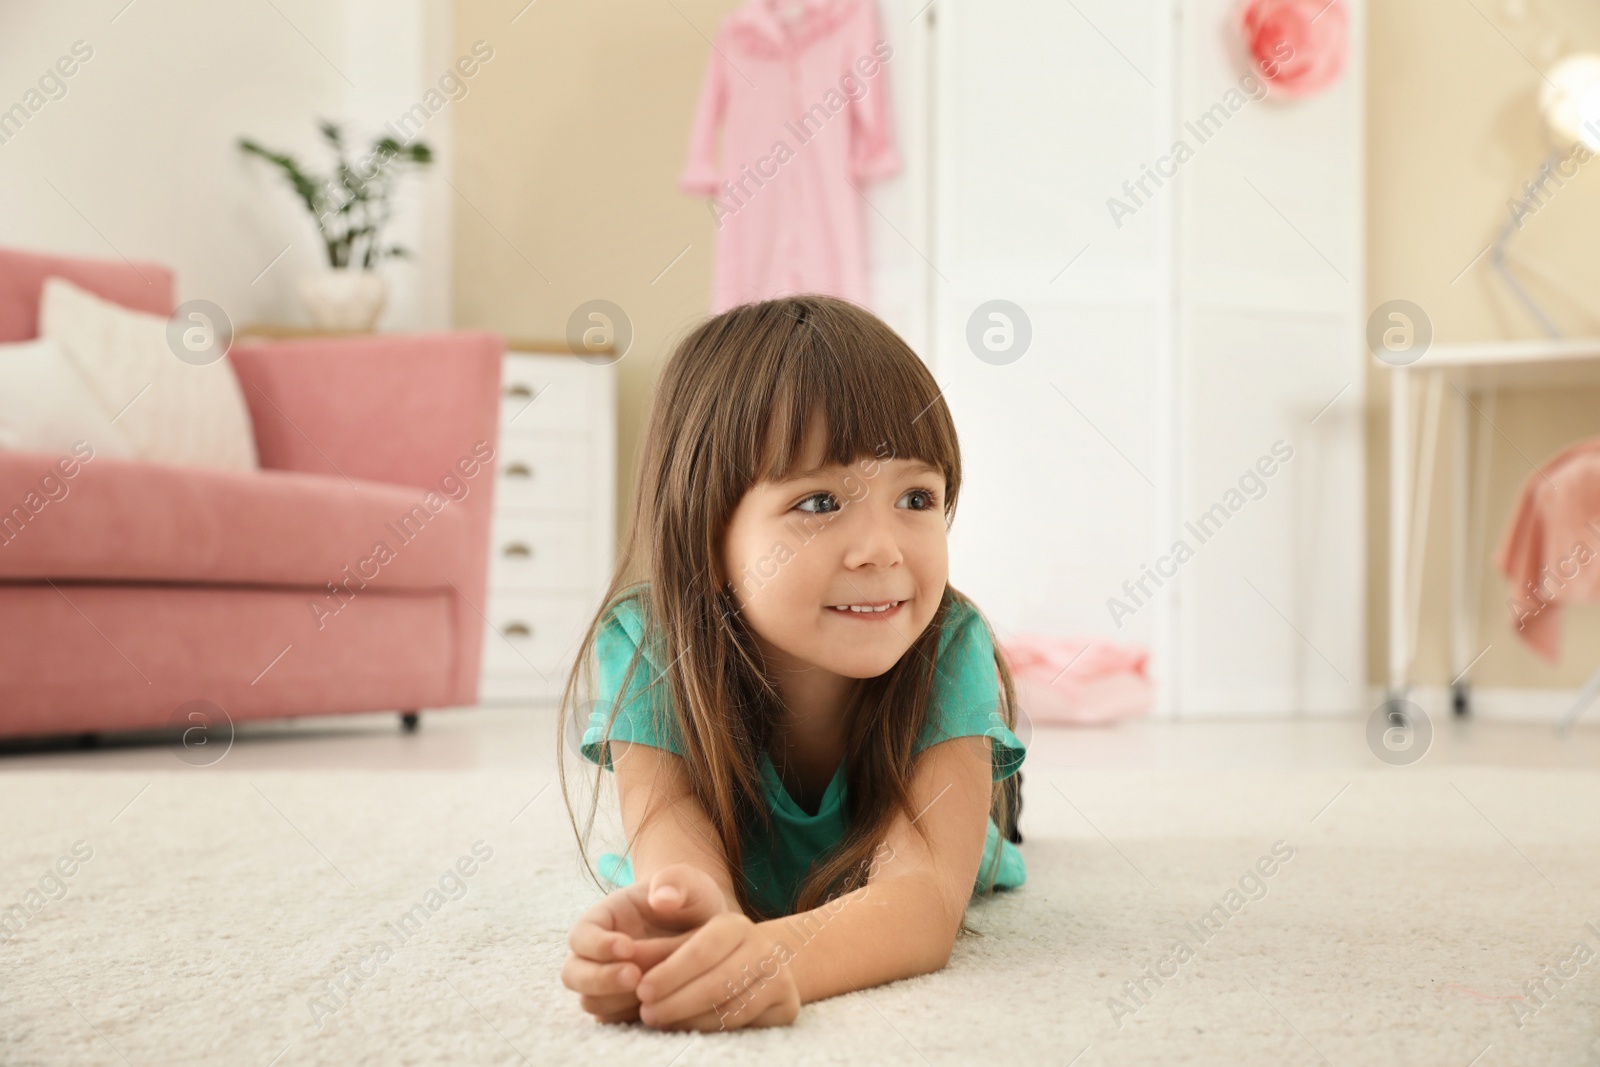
{"points": [[731, 409]]}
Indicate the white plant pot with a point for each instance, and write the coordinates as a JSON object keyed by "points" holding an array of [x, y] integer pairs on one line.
{"points": [[344, 299]]}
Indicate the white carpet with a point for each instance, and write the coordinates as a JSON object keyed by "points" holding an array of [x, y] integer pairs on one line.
{"points": [[218, 906]]}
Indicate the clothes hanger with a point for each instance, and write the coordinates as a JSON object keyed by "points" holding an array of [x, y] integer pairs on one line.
{"points": [[790, 11]]}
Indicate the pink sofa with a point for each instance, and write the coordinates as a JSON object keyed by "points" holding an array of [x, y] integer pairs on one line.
{"points": [[143, 587]]}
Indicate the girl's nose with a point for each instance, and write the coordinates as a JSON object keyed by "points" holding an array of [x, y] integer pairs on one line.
{"points": [[873, 539]]}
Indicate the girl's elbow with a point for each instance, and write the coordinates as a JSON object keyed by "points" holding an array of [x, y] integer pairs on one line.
{"points": [[938, 955], [940, 943], [933, 922]]}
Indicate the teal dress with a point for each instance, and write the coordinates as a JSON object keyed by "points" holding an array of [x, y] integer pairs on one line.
{"points": [[965, 702]]}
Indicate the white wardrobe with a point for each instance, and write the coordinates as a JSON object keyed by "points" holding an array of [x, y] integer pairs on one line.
{"points": [[1193, 336]]}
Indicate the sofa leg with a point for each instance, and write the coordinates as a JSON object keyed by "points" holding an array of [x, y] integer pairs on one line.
{"points": [[408, 721]]}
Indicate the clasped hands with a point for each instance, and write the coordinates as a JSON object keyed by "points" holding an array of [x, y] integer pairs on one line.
{"points": [[671, 954]]}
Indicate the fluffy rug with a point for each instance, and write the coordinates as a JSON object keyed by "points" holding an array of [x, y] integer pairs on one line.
{"points": [[1446, 916]]}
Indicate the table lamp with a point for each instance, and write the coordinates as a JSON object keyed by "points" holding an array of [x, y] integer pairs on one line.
{"points": [[1569, 102]]}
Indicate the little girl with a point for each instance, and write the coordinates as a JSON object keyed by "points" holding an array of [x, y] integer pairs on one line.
{"points": [[810, 729]]}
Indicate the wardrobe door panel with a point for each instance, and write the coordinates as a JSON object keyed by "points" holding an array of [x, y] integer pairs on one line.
{"points": [[1270, 349], [1271, 598], [1042, 111], [1055, 508]]}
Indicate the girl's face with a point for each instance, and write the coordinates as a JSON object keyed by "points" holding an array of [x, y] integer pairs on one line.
{"points": [[814, 558]]}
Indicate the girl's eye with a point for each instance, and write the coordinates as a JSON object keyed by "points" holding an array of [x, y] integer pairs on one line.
{"points": [[926, 495], [829, 504]]}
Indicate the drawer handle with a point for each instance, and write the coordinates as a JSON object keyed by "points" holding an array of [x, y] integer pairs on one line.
{"points": [[519, 392], [518, 469], [517, 549], [517, 629]]}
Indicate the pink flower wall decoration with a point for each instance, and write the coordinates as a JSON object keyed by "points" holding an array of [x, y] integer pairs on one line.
{"points": [[1299, 46]]}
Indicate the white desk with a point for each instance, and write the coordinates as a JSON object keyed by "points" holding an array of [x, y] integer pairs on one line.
{"points": [[1472, 374]]}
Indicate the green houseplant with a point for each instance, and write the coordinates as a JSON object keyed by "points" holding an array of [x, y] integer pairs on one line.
{"points": [[351, 206]]}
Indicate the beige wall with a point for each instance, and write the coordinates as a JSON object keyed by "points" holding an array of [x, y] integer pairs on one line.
{"points": [[571, 143], [570, 146], [1453, 132]]}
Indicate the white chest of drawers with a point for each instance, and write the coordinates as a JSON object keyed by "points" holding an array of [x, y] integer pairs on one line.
{"points": [[554, 516]]}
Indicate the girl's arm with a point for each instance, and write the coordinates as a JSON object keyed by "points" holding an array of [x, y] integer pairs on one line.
{"points": [[662, 818], [633, 928], [903, 922]]}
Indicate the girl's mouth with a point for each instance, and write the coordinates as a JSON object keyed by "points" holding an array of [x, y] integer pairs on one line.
{"points": [[868, 611]]}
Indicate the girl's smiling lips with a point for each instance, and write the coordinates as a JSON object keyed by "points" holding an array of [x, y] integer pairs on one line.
{"points": [[867, 610]]}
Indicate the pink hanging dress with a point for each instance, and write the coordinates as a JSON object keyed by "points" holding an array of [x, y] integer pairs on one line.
{"points": [[799, 91]]}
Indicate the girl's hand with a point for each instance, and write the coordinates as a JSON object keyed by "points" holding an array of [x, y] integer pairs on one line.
{"points": [[623, 936], [730, 973]]}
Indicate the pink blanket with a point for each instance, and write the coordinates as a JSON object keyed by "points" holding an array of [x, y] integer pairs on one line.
{"points": [[1078, 680], [1550, 548]]}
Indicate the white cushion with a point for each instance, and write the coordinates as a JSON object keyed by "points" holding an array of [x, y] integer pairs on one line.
{"points": [[169, 410], [46, 406]]}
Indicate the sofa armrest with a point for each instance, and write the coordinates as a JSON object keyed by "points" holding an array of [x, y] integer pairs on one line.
{"points": [[407, 409]]}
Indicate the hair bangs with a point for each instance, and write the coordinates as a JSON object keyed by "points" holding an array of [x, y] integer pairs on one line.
{"points": [[862, 392]]}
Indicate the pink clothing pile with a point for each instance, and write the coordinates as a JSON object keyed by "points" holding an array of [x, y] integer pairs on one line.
{"points": [[1550, 548], [1080, 681], [798, 90]]}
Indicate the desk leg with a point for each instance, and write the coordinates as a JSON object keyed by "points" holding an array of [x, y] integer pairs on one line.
{"points": [[1462, 622], [1399, 528], [1591, 689], [1422, 503]]}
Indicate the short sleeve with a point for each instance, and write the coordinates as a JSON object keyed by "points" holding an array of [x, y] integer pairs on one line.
{"points": [[966, 692], [872, 152], [645, 716], [700, 176]]}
